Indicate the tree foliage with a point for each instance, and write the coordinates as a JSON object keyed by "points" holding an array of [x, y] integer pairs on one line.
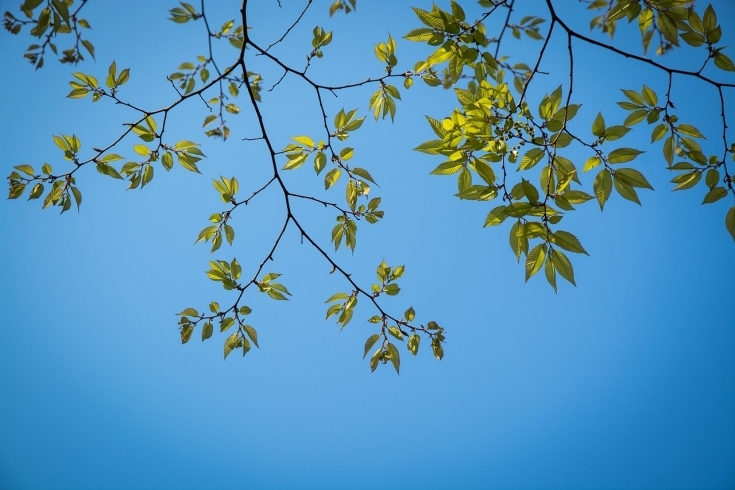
{"points": [[499, 143]]}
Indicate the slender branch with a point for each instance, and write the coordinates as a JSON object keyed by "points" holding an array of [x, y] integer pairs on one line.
{"points": [[505, 27], [538, 61], [306, 7], [572, 32]]}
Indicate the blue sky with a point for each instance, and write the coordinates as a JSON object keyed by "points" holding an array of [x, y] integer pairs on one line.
{"points": [[627, 381]]}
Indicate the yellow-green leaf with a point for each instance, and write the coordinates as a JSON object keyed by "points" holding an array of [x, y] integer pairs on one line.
{"points": [[730, 221], [567, 241]]}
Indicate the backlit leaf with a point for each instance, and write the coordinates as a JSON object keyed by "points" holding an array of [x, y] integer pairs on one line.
{"points": [[370, 342], [395, 357], [602, 187], [714, 195], [567, 241], [562, 265], [730, 221]]}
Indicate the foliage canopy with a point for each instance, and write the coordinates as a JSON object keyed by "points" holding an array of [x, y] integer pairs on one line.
{"points": [[499, 142]]}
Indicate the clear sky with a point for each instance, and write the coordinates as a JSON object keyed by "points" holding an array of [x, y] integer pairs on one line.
{"points": [[626, 381]]}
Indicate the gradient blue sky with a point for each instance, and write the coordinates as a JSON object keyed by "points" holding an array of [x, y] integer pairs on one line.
{"points": [[627, 381]]}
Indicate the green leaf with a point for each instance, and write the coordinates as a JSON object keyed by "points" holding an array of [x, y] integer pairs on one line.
{"points": [[26, 169], [226, 323], [464, 180], [16, 190], [276, 295], [393, 91], [207, 331], [395, 332], [649, 96], [188, 312], [413, 344], [535, 259], [333, 310], [36, 191], [562, 265], [530, 191], [124, 77], [710, 18], [568, 242], [355, 124], [295, 160], [186, 331], [142, 150], [632, 177], [431, 147], [653, 116], [186, 145], [304, 140], [602, 187], [598, 126], [230, 344], [531, 158], [619, 11], [432, 325], [615, 132], [484, 171], [658, 132], [147, 175], [634, 97], [270, 276], [167, 160], [77, 196], [625, 190], [187, 162], [320, 161], [576, 197], [89, 47], [447, 168], [395, 357], [714, 195], [346, 153], [635, 117], [687, 180], [337, 296], [422, 34], [370, 342], [245, 345], [332, 177], [667, 26], [78, 93], [723, 62], [61, 143], [591, 163], [364, 174], [252, 334], [437, 349], [229, 234], [496, 216], [689, 130], [550, 271], [668, 149], [392, 289], [730, 221], [712, 178], [517, 244], [375, 359]]}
